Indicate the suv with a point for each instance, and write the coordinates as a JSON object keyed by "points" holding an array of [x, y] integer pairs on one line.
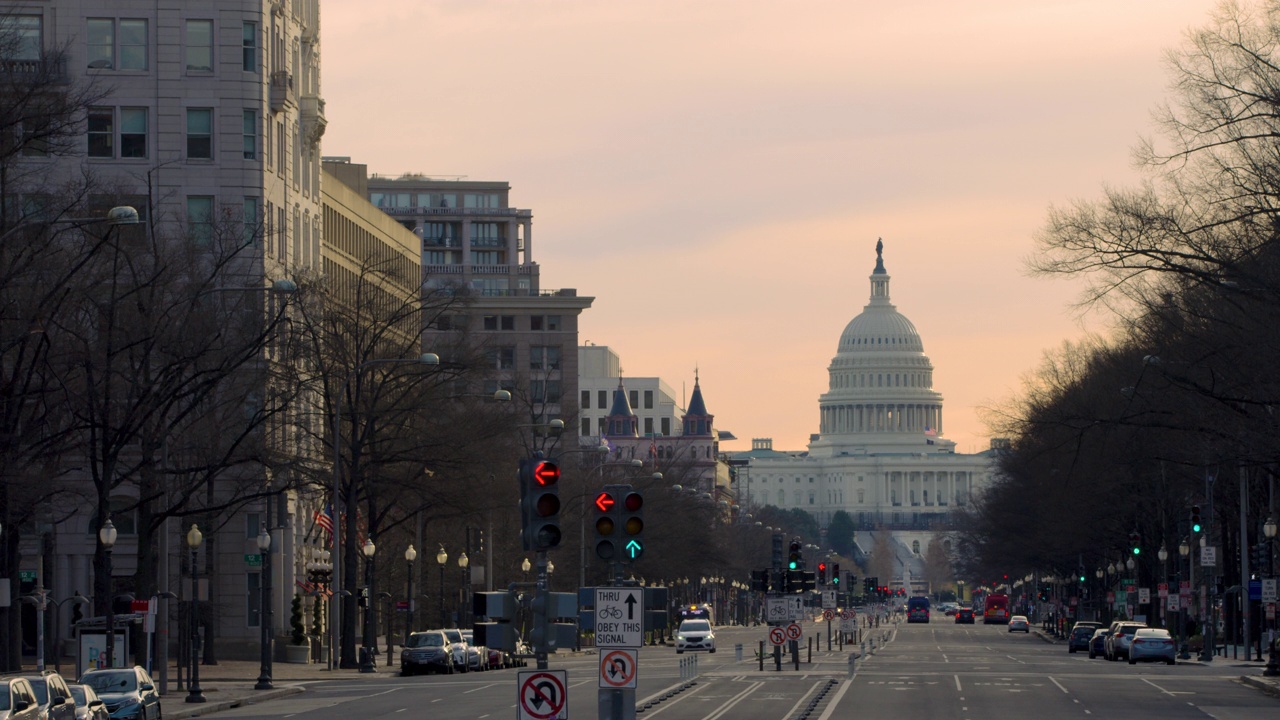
{"points": [[458, 649], [918, 610], [695, 635], [426, 651], [53, 696], [128, 692], [18, 700], [1119, 637]]}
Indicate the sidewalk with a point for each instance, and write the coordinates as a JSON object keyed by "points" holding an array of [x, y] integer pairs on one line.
{"points": [[230, 684]]}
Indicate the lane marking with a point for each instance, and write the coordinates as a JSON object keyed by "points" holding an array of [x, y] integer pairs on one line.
{"points": [[1055, 682], [468, 692], [728, 704], [958, 688], [835, 699]]}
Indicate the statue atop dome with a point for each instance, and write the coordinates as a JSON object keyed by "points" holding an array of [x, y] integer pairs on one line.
{"points": [[880, 258]]}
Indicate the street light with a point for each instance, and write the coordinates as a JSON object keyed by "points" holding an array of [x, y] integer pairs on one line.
{"points": [[1273, 661], [1184, 551], [442, 557], [463, 562], [107, 536], [264, 603], [335, 609], [409, 556], [369, 655], [195, 694]]}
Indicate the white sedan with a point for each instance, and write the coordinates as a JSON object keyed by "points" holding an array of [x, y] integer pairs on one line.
{"points": [[1019, 622]]}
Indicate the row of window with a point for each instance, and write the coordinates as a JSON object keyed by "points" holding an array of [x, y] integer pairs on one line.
{"points": [[893, 500], [603, 401], [122, 44], [541, 357], [548, 323], [850, 380], [603, 429], [122, 132], [435, 200]]}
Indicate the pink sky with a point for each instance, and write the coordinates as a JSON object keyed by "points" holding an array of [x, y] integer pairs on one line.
{"points": [[716, 173]]}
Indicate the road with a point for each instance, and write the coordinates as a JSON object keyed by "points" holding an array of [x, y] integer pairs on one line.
{"points": [[936, 671]]}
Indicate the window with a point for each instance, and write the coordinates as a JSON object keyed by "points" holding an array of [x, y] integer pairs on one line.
{"points": [[102, 132], [199, 46], [250, 134], [124, 515], [200, 218], [544, 357], [635, 398], [648, 426], [586, 403], [499, 322], [199, 134], [101, 43], [133, 132], [648, 399], [252, 525], [666, 426], [544, 322], [503, 358], [251, 221], [133, 44], [249, 50], [602, 399], [24, 36]]}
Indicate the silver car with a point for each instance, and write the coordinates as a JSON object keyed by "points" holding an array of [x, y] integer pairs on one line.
{"points": [[1152, 644], [1119, 637]]}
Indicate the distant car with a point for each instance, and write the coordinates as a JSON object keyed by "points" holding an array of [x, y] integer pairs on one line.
{"points": [[1098, 643], [1080, 637], [458, 649], [477, 655], [426, 652], [53, 695], [1119, 638], [964, 616], [695, 635], [1152, 644], [128, 693], [918, 610], [88, 705], [1019, 623], [18, 700], [498, 659]]}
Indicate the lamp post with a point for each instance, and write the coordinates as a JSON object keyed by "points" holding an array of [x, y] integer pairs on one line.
{"points": [[369, 656], [264, 601], [409, 556], [442, 557], [194, 693], [107, 536], [335, 608], [1184, 551], [1273, 662], [463, 562], [1163, 555]]}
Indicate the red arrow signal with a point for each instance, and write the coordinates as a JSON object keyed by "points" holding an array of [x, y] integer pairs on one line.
{"points": [[605, 502]]}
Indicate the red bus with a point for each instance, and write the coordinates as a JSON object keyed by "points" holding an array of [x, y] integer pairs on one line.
{"points": [[996, 610]]}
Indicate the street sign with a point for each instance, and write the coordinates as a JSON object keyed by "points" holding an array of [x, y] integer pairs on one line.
{"points": [[1209, 556], [828, 599], [253, 559], [794, 632], [797, 607], [543, 695], [777, 636], [1162, 589], [1269, 590], [1184, 588], [848, 625], [847, 614], [618, 669], [1144, 596], [619, 617], [1173, 602], [828, 615], [777, 610], [27, 575]]}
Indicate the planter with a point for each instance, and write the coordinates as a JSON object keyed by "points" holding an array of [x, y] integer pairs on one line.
{"points": [[298, 654]]}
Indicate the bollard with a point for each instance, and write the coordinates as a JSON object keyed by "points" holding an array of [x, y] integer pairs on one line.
{"points": [[795, 653], [737, 652], [853, 660], [761, 656]]}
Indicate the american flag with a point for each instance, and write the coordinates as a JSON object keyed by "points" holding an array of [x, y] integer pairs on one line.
{"points": [[325, 519]]}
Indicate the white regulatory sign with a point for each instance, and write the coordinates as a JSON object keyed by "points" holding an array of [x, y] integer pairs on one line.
{"points": [[619, 617], [1209, 556], [777, 610], [828, 599], [1268, 590]]}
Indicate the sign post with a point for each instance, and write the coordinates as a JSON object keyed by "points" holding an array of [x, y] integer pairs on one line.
{"points": [[543, 695], [619, 635]]}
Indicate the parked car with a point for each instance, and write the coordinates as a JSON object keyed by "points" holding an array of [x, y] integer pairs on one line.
{"points": [[18, 700], [128, 693], [964, 616], [477, 655], [426, 652], [458, 649], [53, 696], [498, 659], [695, 635], [1098, 643], [1080, 637], [88, 705], [1119, 638], [1152, 644], [1019, 623]]}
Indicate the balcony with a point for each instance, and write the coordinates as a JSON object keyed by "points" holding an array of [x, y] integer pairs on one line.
{"points": [[442, 242], [313, 122], [283, 94], [488, 242]]}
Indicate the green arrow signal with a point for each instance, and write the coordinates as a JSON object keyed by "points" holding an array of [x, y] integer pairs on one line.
{"points": [[635, 549]]}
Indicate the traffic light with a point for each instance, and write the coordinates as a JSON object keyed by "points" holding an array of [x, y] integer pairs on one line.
{"points": [[822, 573], [868, 586], [605, 509], [835, 575], [632, 526], [1195, 519], [1260, 557], [793, 555], [540, 503], [1080, 575], [760, 581], [1135, 542]]}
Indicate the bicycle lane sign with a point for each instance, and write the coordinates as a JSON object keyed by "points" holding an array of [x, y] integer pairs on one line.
{"points": [[619, 617]]}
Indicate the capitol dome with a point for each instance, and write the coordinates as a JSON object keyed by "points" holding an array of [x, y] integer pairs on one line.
{"points": [[880, 328]]}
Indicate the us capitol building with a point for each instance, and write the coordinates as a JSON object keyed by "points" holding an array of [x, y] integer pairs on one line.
{"points": [[879, 454]]}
